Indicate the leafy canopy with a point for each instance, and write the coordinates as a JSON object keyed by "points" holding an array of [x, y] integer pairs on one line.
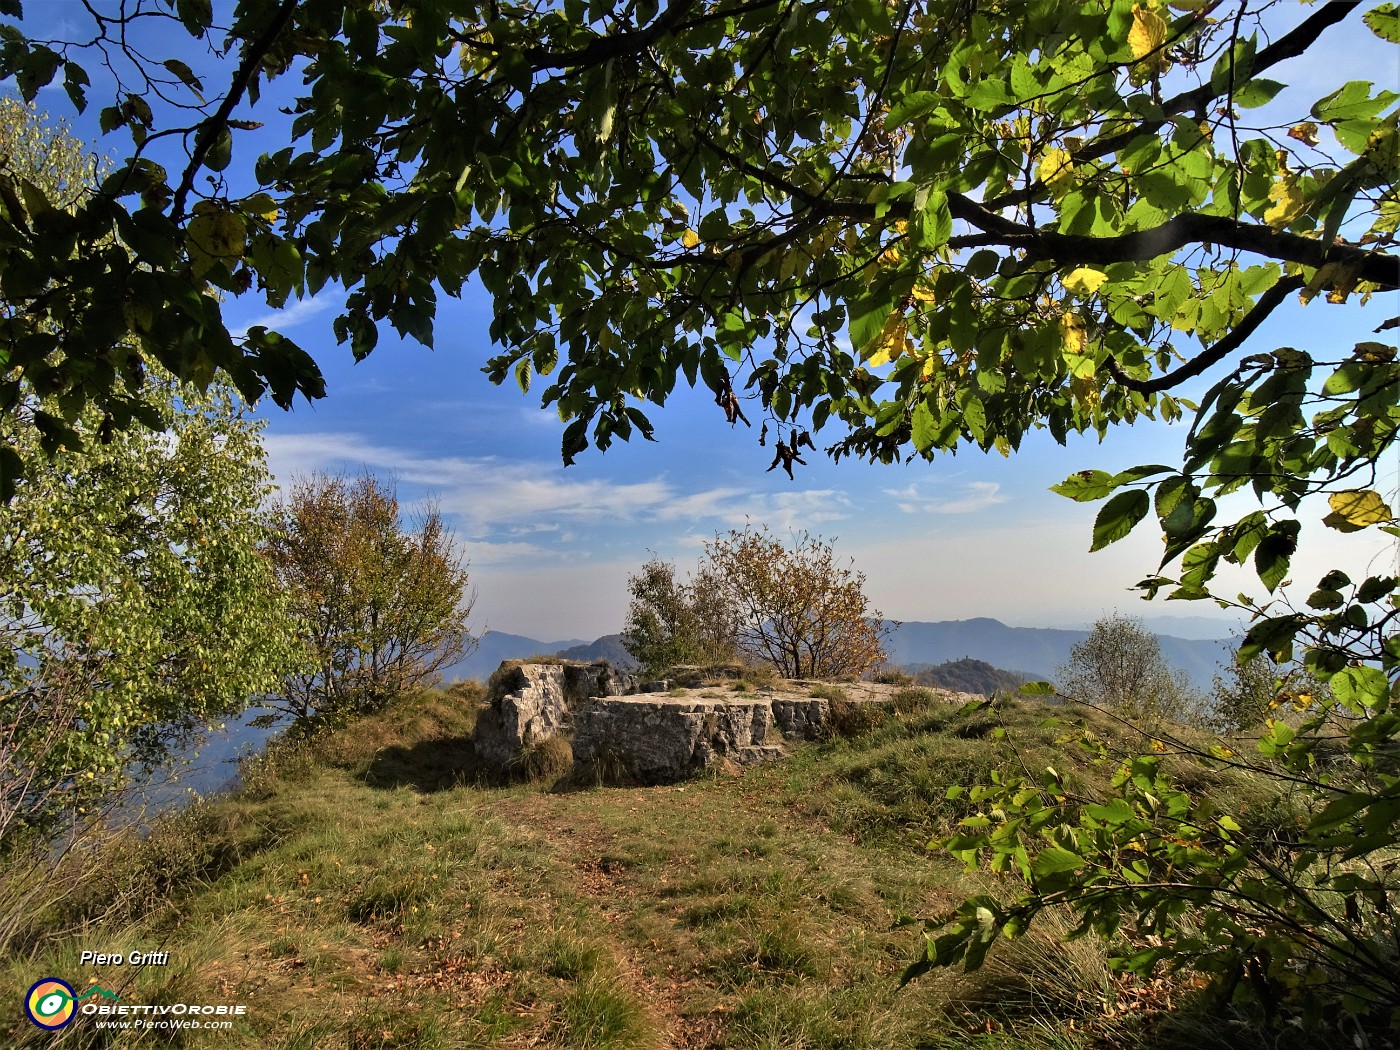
{"points": [[136, 602], [935, 223]]}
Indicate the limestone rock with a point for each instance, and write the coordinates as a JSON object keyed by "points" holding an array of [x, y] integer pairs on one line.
{"points": [[659, 741], [527, 702], [660, 731]]}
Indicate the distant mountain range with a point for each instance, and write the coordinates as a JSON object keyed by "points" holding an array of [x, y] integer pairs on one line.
{"points": [[1040, 650]]}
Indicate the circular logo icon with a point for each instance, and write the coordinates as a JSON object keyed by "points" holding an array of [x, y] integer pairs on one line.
{"points": [[50, 1003]]}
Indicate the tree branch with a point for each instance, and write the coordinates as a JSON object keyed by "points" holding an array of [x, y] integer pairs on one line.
{"points": [[1191, 228], [1242, 331], [210, 129], [1288, 46]]}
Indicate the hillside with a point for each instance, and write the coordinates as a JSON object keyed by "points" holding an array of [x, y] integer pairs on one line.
{"points": [[971, 676], [496, 646], [364, 891]]}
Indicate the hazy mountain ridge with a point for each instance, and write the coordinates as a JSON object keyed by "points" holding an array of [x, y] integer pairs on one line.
{"points": [[1040, 647], [912, 643]]}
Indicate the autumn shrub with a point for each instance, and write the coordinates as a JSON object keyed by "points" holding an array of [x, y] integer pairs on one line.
{"points": [[796, 606], [380, 605]]}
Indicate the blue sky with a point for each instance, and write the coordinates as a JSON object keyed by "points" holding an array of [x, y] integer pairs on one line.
{"points": [[550, 548]]}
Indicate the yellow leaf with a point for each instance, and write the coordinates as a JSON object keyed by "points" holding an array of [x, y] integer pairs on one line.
{"points": [[890, 343], [1149, 31], [1374, 353], [1084, 281], [1073, 333], [1056, 169], [1355, 509], [138, 316], [1288, 202], [690, 238], [1147, 37], [1305, 132], [261, 205], [1085, 391], [924, 294], [213, 237]]}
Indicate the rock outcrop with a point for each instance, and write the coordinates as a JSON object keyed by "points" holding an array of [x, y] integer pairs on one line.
{"points": [[656, 732], [527, 702], [660, 740]]}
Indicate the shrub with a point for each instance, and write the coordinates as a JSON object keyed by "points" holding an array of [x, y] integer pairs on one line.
{"points": [[795, 607], [546, 761], [849, 719], [1120, 667], [892, 676], [379, 608]]}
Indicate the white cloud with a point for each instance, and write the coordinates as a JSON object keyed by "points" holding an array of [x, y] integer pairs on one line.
{"points": [[481, 553], [280, 320], [527, 497], [976, 495]]}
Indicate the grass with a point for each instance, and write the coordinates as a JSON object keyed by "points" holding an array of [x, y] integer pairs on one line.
{"points": [[364, 890]]}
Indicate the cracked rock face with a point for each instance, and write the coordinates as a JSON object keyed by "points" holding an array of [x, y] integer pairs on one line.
{"points": [[528, 702], [657, 741]]}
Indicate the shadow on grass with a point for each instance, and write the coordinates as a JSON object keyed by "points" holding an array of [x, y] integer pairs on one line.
{"points": [[433, 765]]}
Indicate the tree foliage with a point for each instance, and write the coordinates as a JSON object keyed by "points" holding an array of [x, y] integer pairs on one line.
{"points": [[134, 600], [378, 608], [796, 607], [1120, 666], [672, 621], [837, 210]]}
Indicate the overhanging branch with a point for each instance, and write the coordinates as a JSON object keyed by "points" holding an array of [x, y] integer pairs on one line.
{"points": [[1232, 342]]}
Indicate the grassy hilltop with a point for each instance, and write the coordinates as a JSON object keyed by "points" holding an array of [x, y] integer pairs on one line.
{"points": [[364, 891]]}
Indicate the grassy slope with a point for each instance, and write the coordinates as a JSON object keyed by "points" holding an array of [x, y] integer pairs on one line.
{"points": [[364, 894]]}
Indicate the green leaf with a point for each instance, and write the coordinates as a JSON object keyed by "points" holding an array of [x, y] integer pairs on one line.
{"points": [[1258, 93], [1054, 860], [1115, 811], [1360, 687], [936, 219], [1234, 67], [183, 73], [924, 427], [1384, 21], [1351, 101], [11, 470], [195, 15], [1118, 517], [1274, 553], [1086, 485], [1038, 689]]}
